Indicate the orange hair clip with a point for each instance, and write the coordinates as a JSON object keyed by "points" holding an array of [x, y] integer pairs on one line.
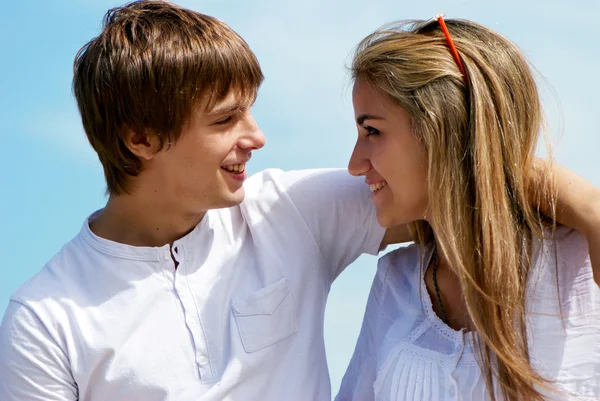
{"points": [[440, 19]]}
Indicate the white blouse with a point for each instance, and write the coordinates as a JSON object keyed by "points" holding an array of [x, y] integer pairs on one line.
{"points": [[405, 352]]}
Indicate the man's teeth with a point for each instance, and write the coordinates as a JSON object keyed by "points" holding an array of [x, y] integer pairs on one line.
{"points": [[379, 185], [235, 168]]}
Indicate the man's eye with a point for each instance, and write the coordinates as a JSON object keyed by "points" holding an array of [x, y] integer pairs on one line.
{"points": [[224, 121]]}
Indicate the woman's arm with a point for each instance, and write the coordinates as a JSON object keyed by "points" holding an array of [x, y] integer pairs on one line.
{"points": [[577, 206]]}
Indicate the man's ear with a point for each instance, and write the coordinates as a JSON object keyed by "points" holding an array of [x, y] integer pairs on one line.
{"points": [[142, 145]]}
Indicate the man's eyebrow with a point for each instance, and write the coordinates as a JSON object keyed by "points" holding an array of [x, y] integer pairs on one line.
{"points": [[227, 109], [361, 119]]}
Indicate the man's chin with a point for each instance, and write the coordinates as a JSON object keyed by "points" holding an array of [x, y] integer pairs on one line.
{"points": [[235, 198]]}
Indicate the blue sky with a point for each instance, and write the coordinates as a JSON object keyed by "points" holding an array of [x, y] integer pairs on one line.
{"points": [[51, 179]]}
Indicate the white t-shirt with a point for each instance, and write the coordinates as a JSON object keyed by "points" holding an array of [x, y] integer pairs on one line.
{"points": [[241, 318], [405, 352]]}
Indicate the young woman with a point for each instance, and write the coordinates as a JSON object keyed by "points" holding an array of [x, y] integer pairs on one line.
{"points": [[494, 301]]}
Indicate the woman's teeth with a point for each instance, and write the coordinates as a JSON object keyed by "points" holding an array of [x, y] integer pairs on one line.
{"points": [[379, 185], [235, 168]]}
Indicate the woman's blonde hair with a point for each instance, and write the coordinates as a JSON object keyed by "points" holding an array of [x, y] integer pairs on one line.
{"points": [[480, 135]]}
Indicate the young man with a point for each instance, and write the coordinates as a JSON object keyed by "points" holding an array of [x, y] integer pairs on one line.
{"points": [[179, 289], [193, 282]]}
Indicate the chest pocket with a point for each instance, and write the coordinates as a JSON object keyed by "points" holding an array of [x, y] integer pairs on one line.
{"points": [[266, 316]]}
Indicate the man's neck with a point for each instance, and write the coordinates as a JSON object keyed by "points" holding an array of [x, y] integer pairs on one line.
{"points": [[142, 221]]}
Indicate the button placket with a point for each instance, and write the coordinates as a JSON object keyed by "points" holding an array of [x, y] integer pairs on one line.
{"points": [[459, 350], [191, 317], [167, 266]]}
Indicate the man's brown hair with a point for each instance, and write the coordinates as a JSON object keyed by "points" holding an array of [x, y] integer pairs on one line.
{"points": [[147, 70]]}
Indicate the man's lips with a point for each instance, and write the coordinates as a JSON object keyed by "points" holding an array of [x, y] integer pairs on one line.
{"points": [[235, 168]]}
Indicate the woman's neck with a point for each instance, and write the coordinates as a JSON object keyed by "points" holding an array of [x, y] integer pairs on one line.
{"points": [[450, 292]]}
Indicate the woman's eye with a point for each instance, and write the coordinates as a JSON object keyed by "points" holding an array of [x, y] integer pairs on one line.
{"points": [[371, 130]]}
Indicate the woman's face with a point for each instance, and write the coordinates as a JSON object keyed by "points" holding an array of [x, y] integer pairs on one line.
{"points": [[390, 157]]}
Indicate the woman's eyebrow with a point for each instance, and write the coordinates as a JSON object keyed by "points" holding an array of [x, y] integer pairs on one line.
{"points": [[361, 119]]}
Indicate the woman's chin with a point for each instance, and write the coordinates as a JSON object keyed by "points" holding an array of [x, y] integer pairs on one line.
{"points": [[389, 220]]}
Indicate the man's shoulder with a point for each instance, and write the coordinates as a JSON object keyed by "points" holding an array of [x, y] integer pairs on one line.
{"points": [[305, 188], [274, 190], [54, 278], [282, 180]]}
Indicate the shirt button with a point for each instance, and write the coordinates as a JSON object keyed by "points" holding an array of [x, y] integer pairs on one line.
{"points": [[202, 360]]}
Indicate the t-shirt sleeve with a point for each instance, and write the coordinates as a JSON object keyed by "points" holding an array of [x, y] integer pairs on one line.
{"points": [[359, 379], [338, 211], [32, 365]]}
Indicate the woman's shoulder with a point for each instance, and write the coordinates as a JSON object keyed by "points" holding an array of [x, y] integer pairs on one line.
{"points": [[399, 272], [565, 254], [571, 244], [564, 318], [406, 259]]}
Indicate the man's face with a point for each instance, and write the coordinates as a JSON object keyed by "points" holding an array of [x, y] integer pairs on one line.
{"points": [[206, 167]]}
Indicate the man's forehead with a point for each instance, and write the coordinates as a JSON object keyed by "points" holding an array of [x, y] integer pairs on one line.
{"points": [[235, 100], [230, 102]]}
